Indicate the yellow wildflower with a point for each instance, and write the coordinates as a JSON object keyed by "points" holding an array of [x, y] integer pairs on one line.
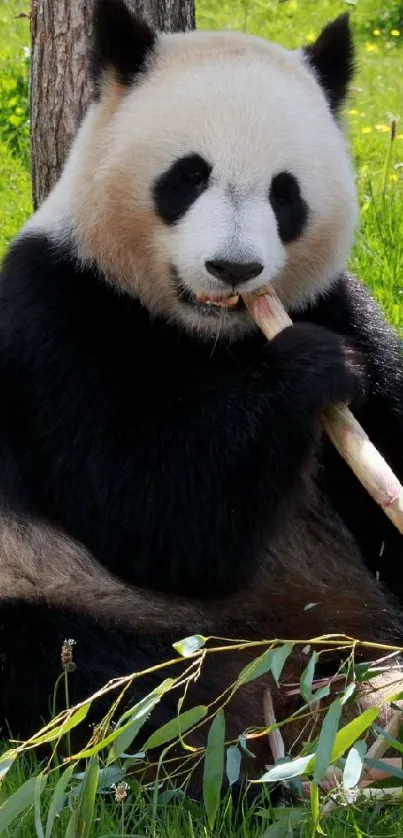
{"points": [[376, 32], [384, 129], [393, 178], [353, 112], [367, 130], [399, 137], [371, 48], [395, 33]]}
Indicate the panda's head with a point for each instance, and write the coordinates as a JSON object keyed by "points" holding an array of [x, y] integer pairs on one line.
{"points": [[212, 164]]}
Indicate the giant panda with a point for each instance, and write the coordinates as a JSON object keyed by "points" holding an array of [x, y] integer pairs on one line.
{"points": [[163, 469]]}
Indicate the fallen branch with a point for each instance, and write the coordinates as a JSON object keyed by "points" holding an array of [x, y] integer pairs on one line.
{"points": [[344, 431]]}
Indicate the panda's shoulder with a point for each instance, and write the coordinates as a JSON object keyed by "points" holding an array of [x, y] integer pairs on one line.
{"points": [[37, 265], [345, 306], [45, 286]]}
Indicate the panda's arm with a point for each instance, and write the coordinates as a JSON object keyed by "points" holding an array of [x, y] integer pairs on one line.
{"points": [[350, 310], [172, 473], [183, 494]]}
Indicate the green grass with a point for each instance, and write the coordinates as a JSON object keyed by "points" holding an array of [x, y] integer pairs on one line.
{"points": [[138, 817], [31, 803], [15, 187], [376, 100]]}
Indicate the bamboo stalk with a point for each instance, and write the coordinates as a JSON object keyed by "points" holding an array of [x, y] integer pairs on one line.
{"points": [[344, 431]]}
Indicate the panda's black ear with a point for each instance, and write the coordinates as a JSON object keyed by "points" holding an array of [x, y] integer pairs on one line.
{"points": [[121, 42], [332, 59]]}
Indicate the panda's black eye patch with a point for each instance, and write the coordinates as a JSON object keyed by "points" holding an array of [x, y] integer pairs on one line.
{"points": [[289, 207], [177, 188]]}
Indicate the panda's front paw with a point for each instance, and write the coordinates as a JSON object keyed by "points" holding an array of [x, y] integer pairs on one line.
{"points": [[319, 365]]}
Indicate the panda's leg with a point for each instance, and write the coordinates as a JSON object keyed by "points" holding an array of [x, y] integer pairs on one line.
{"points": [[31, 638]]}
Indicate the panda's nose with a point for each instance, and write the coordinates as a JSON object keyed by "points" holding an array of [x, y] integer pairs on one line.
{"points": [[233, 273]]}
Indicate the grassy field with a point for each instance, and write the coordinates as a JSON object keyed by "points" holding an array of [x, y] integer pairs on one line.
{"points": [[376, 102]]}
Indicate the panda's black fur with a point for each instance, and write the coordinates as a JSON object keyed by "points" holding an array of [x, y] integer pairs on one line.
{"points": [[177, 463]]}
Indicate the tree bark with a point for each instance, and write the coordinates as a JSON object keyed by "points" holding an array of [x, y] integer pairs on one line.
{"points": [[60, 32]]}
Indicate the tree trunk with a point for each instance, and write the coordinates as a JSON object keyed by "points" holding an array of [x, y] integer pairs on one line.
{"points": [[60, 32]]}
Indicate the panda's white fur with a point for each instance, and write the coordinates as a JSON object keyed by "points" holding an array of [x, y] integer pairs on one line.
{"points": [[263, 112]]}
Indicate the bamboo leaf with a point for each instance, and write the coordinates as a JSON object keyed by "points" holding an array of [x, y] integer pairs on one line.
{"points": [[58, 799], [280, 656], [259, 666], [129, 731], [381, 765], [286, 770], [138, 713], [352, 731], [326, 740], [307, 677], [189, 645], [348, 692], [322, 692], [176, 727], [214, 767], [60, 730], [394, 743], [233, 764], [354, 762]]}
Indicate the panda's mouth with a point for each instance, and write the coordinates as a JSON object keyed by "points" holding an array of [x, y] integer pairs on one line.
{"points": [[208, 304]]}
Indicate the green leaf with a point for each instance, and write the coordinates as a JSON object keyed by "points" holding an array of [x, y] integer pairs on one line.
{"points": [[6, 761], [159, 691], [233, 764], [366, 670], [286, 770], [280, 656], [326, 740], [352, 731], [125, 734], [18, 802], [245, 750], [354, 762], [39, 786], [58, 799], [286, 821], [57, 732], [136, 717], [307, 678], [189, 645], [176, 727], [348, 692], [388, 783], [214, 767], [315, 809], [398, 746], [385, 767], [259, 666], [80, 823], [322, 692]]}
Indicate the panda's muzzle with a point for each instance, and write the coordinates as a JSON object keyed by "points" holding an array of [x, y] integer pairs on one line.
{"points": [[208, 304], [233, 273]]}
